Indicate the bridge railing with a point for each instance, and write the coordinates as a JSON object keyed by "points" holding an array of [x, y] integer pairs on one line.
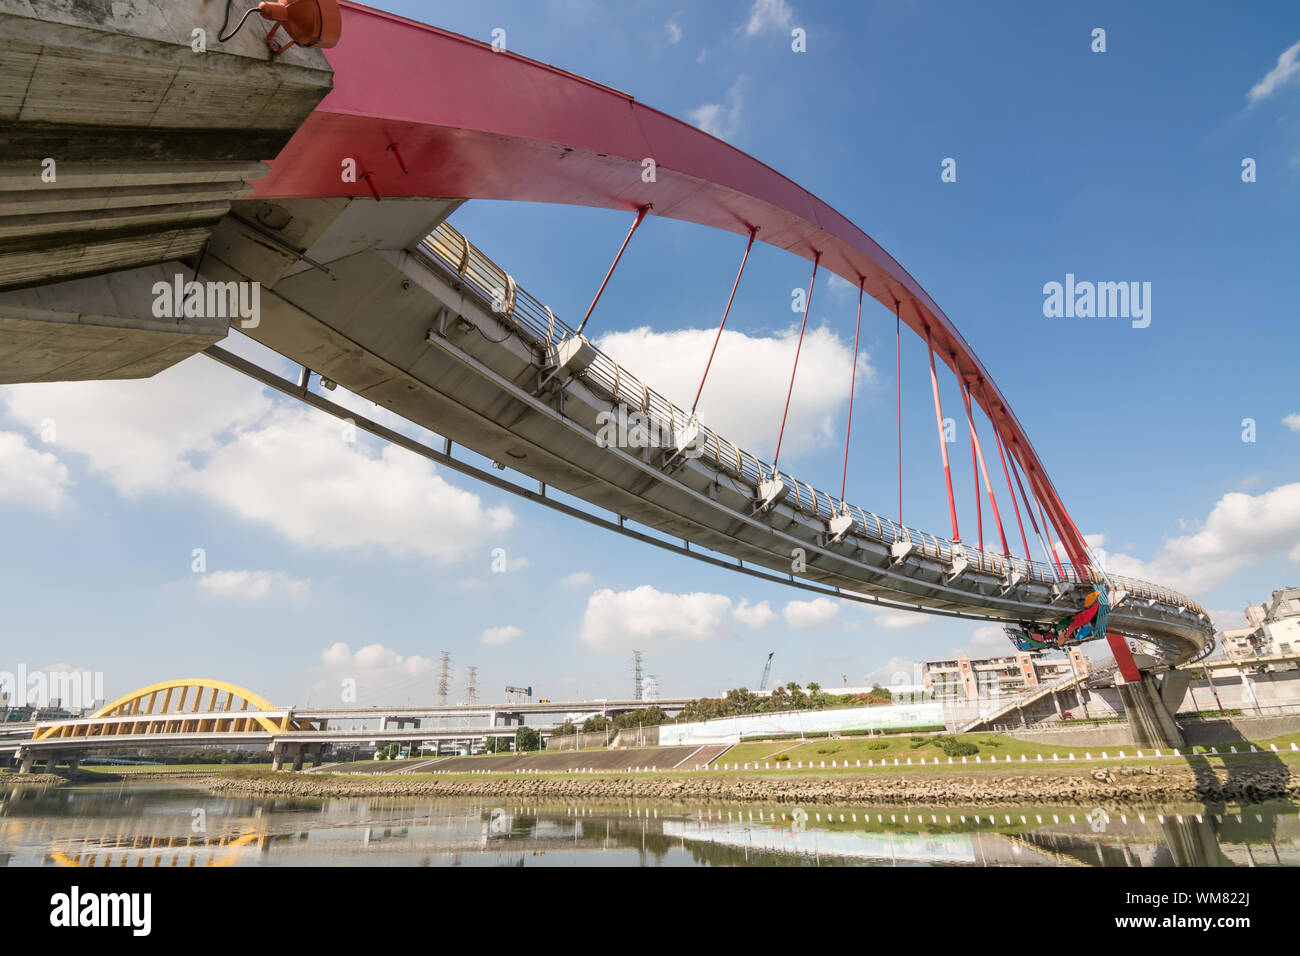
{"points": [[538, 325]]}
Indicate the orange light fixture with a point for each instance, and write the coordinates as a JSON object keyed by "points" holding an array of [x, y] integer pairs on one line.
{"points": [[307, 22]]}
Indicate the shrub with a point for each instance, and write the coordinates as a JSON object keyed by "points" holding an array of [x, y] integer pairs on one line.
{"points": [[959, 748], [878, 745]]}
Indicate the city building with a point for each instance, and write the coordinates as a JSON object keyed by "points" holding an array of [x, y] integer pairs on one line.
{"points": [[966, 677], [1272, 629]]}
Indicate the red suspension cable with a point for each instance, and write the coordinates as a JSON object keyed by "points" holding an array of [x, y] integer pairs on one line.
{"points": [[1011, 492], [988, 485], [943, 443], [725, 312], [898, 374], [1029, 509], [1047, 528], [817, 258], [974, 460], [640, 214], [853, 378]]}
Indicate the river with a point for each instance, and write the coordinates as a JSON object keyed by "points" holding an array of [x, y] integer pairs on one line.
{"points": [[160, 824]]}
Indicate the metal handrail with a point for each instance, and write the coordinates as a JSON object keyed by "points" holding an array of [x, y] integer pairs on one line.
{"points": [[542, 328]]}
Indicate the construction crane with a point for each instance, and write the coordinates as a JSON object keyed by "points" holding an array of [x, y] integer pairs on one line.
{"points": [[767, 672]]}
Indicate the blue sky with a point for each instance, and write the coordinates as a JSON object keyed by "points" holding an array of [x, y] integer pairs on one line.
{"points": [[1117, 166]]}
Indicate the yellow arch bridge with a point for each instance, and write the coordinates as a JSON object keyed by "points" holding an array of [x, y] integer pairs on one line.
{"points": [[198, 712]]}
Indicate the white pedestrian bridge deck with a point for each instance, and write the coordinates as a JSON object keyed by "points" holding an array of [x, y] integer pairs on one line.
{"points": [[424, 325]]}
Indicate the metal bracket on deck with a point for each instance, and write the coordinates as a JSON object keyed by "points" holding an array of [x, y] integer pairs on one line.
{"points": [[686, 445], [1013, 578], [771, 492], [569, 357], [958, 564], [839, 526]]}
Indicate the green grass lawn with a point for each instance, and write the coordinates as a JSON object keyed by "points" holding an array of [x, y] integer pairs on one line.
{"points": [[126, 769], [992, 748]]}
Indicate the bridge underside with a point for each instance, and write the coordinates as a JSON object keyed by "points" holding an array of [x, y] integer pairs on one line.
{"points": [[350, 292], [391, 323]]}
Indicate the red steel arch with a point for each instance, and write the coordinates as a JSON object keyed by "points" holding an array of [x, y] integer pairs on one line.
{"points": [[429, 113]]}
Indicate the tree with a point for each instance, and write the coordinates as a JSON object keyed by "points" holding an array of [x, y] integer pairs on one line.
{"points": [[526, 738], [798, 700], [648, 717], [594, 725], [777, 700]]}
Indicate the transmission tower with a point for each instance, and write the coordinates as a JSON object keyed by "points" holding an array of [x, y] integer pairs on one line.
{"points": [[444, 677], [471, 693], [636, 675]]}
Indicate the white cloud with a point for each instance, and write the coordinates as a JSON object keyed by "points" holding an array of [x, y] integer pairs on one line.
{"points": [[990, 637], [29, 476], [577, 579], [768, 15], [757, 616], [987, 640], [1241, 530], [674, 30], [1292, 421], [897, 670], [644, 616], [142, 433], [1288, 66], [500, 635], [295, 475], [1227, 620], [380, 673], [253, 585], [721, 119], [200, 428], [736, 402], [901, 620], [810, 615], [339, 656]]}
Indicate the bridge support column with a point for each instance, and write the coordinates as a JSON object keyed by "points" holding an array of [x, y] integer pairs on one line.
{"points": [[25, 762], [297, 758], [74, 761], [277, 757], [1149, 717], [1174, 686]]}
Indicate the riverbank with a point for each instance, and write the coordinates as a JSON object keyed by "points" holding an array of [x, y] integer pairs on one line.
{"points": [[1119, 785]]}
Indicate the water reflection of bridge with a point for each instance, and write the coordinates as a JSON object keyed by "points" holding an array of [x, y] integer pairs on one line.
{"points": [[108, 827]]}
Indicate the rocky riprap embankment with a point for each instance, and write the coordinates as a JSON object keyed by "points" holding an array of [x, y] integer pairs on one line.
{"points": [[1118, 785]]}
